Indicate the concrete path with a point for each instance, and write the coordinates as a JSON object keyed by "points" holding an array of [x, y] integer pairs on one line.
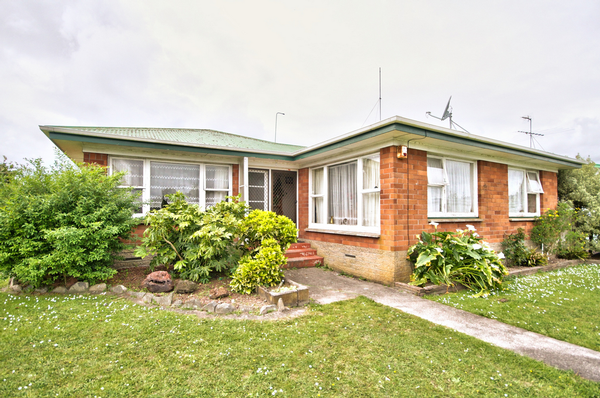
{"points": [[327, 287]]}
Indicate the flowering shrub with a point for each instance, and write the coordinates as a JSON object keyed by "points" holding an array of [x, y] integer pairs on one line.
{"points": [[456, 257], [558, 233], [262, 269], [518, 254]]}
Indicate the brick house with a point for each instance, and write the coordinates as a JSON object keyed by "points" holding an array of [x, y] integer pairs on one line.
{"points": [[359, 198]]}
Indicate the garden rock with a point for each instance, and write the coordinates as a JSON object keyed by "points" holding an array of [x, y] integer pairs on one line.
{"points": [[136, 294], [224, 308], [186, 287], [119, 289], [41, 290], [148, 297], [195, 304], [218, 292], [280, 306], [177, 303], [210, 307], [158, 282], [60, 290], [99, 288], [16, 289], [79, 287], [265, 309], [164, 301]]}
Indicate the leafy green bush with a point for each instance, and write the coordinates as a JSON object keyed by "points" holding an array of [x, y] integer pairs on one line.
{"points": [[63, 221], [456, 257], [196, 242], [260, 225], [264, 269], [518, 254], [558, 233]]}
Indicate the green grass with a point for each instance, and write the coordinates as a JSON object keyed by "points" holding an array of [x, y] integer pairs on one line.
{"points": [[561, 304], [90, 346]]}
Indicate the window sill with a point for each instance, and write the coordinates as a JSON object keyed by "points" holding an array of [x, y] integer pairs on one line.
{"points": [[349, 233], [446, 219], [531, 218]]}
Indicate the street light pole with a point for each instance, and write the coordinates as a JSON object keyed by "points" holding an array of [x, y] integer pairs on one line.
{"points": [[277, 114]]}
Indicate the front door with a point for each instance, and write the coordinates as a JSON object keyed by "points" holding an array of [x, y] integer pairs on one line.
{"points": [[283, 193]]}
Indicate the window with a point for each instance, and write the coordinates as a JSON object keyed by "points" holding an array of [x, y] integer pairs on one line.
{"points": [[345, 196], [205, 185], [524, 189], [451, 188]]}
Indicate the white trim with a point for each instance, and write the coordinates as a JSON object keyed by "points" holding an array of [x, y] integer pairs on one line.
{"points": [[526, 192], [325, 195], [474, 191]]}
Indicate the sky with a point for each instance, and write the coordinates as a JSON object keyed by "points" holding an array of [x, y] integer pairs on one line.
{"points": [[232, 65]]}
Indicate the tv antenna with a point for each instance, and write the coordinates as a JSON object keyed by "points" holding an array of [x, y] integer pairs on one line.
{"points": [[530, 133], [448, 115]]}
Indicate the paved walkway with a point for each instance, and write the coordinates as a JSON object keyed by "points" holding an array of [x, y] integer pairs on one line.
{"points": [[327, 287]]}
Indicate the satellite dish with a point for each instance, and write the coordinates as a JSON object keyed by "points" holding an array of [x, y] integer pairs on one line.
{"points": [[448, 115], [447, 111]]}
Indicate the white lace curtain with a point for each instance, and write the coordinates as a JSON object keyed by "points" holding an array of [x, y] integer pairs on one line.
{"points": [[217, 184], [134, 169], [168, 178], [317, 201], [459, 190], [342, 194], [370, 199], [515, 191]]}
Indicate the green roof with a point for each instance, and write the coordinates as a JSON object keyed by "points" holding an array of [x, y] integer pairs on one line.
{"points": [[197, 137]]}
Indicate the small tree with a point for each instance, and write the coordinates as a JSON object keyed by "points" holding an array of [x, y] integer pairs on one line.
{"points": [[63, 221]]}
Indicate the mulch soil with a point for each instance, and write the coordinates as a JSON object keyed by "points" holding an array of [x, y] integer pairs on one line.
{"points": [[132, 279]]}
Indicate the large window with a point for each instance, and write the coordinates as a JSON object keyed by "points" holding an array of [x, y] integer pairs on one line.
{"points": [[205, 185], [451, 188], [524, 189], [345, 196]]}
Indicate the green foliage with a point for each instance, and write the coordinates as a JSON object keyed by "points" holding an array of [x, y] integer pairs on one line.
{"points": [[196, 242], [451, 257], [558, 231], [63, 221], [518, 254], [263, 269], [260, 225], [581, 189]]}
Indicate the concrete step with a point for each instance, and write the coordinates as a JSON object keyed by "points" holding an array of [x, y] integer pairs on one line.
{"points": [[299, 245], [304, 262], [291, 253]]}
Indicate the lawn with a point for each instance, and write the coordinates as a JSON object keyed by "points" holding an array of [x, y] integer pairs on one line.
{"points": [[101, 346], [562, 304]]}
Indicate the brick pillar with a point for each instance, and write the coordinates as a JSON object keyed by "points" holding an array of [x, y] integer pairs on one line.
{"points": [[235, 176], [549, 199]]}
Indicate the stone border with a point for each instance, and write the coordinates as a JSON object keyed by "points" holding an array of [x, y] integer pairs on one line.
{"points": [[443, 289]]}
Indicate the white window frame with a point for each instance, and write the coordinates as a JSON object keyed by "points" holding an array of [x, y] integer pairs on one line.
{"points": [[529, 189], [444, 213], [359, 227], [147, 178]]}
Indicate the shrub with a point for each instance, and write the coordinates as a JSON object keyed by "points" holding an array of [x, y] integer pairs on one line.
{"points": [[558, 233], [456, 257], [572, 246], [264, 269], [63, 221], [518, 254], [260, 225], [196, 242]]}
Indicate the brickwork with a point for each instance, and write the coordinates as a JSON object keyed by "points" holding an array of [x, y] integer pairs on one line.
{"points": [[549, 199], [95, 158], [235, 176]]}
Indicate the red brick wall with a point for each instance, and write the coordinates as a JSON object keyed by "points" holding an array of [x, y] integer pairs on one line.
{"points": [[235, 176], [95, 158], [549, 199]]}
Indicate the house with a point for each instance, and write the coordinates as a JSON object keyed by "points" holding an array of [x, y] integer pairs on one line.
{"points": [[360, 199]]}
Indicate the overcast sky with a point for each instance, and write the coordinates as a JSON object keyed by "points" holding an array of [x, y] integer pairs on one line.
{"points": [[232, 65]]}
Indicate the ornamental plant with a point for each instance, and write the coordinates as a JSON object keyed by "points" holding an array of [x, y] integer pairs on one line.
{"points": [[558, 232], [194, 241], [518, 254], [262, 269], [456, 257], [63, 221], [260, 225]]}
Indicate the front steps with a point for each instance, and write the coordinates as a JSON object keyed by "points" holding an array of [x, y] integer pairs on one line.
{"points": [[301, 255]]}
